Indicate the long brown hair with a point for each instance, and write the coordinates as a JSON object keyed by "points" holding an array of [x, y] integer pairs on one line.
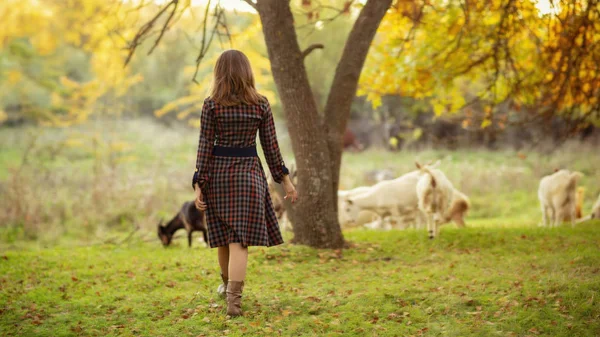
{"points": [[233, 82]]}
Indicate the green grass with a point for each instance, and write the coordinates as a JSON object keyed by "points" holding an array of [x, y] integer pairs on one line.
{"points": [[471, 282], [501, 276]]}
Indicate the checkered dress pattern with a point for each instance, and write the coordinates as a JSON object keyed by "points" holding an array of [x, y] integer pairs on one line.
{"points": [[239, 206]]}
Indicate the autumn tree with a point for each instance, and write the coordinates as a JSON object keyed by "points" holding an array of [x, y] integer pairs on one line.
{"points": [[62, 60], [478, 58]]}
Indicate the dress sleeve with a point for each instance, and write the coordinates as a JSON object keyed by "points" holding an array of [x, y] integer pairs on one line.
{"points": [[270, 146], [205, 145]]}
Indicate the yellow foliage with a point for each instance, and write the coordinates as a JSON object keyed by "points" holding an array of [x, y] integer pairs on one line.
{"points": [[3, 116], [194, 123], [73, 142], [90, 26], [120, 146], [485, 123], [438, 109], [417, 133], [14, 76]]}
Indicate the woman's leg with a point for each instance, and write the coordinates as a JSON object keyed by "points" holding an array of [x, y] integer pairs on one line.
{"points": [[223, 252], [238, 261], [223, 255]]}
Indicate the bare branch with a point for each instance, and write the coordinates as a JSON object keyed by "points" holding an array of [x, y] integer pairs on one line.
{"points": [[164, 28], [146, 29], [311, 48], [219, 15], [339, 12]]}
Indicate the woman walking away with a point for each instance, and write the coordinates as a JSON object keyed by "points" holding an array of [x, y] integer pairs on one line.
{"points": [[229, 181]]}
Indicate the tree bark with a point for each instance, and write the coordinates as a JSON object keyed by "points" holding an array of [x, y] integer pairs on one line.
{"points": [[316, 141], [345, 82], [314, 215]]}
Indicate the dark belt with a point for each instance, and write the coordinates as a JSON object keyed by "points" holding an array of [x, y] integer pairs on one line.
{"points": [[224, 151]]}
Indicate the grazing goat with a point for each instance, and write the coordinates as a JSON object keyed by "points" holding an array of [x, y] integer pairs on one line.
{"points": [[363, 216], [596, 209], [595, 214], [387, 198], [434, 194], [399, 200], [190, 218], [579, 203], [459, 206], [557, 194]]}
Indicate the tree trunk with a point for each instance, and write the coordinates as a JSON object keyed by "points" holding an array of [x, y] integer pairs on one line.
{"points": [[317, 142], [314, 216], [345, 82]]}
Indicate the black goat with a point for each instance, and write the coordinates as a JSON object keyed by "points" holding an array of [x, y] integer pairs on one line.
{"points": [[190, 218]]}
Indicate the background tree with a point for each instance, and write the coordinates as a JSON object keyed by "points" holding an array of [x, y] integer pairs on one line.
{"points": [[534, 61]]}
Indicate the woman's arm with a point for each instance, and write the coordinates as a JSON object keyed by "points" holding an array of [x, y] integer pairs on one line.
{"points": [[205, 146], [270, 146]]}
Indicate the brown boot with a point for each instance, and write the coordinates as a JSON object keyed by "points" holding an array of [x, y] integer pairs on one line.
{"points": [[234, 298], [222, 290]]}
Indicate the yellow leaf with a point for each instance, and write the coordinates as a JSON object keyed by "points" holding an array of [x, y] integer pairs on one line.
{"points": [[376, 102], [194, 122], [14, 76], [586, 87], [72, 142], [417, 133], [438, 109], [486, 122]]}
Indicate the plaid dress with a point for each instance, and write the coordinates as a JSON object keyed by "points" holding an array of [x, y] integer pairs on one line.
{"points": [[239, 207]]}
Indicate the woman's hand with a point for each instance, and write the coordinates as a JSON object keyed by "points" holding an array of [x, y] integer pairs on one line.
{"points": [[290, 190], [199, 202]]}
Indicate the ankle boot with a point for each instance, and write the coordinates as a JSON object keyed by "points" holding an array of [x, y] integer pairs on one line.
{"points": [[234, 298], [222, 290]]}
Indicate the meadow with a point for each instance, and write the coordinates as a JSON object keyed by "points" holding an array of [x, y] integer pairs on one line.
{"points": [[80, 256]]}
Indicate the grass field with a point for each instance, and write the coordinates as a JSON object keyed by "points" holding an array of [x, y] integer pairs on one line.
{"points": [[472, 282], [79, 253]]}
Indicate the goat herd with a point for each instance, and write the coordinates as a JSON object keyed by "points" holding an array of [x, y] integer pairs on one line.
{"points": [[421, 198]]}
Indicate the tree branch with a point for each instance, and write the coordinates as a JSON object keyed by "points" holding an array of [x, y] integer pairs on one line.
{"points": [[351, 63], [311, 48], [345, 80], [146, 30]]}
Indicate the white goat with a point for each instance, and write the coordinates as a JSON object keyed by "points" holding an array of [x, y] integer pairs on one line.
{"points": [[435, 193], [596, 209], [387, 198], [557, 194], [361, 218], [397, 201], [595, 214], [459, 206]]}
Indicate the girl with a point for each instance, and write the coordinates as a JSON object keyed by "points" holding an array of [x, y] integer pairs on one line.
{"points": [[229, 181]]}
